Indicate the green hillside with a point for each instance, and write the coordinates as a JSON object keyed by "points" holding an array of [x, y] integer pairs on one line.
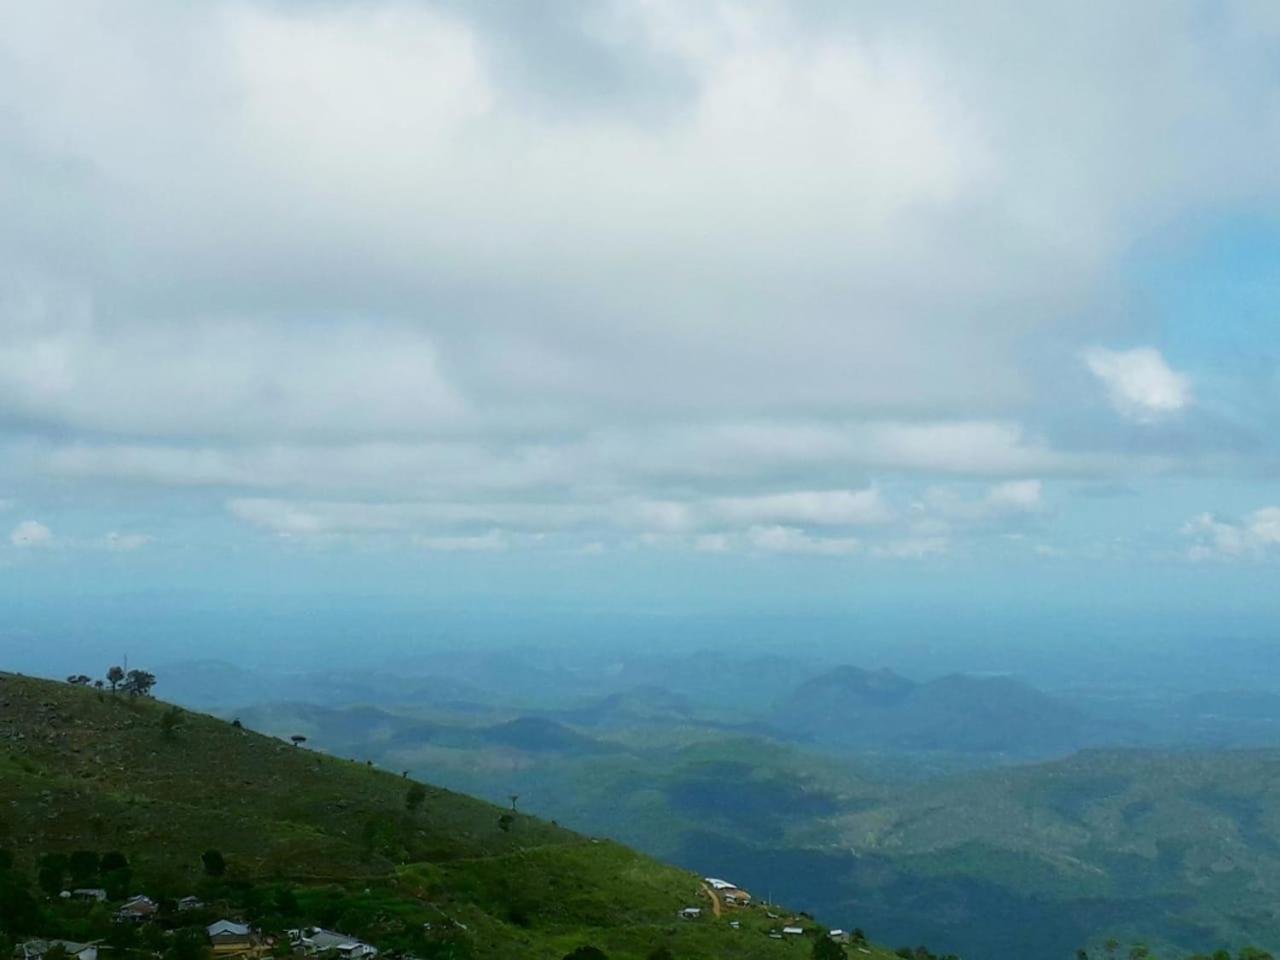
{"points": [[308, 838]]}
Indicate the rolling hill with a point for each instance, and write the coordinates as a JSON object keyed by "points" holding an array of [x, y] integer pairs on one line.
{"points": [[437, 875], [1180, 848]]}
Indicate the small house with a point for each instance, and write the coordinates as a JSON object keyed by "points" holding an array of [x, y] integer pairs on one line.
{"points": [[227, 936], [317, 940], [96, 894], [690, 913], [190, 903], [793, 931], [36, 949], [138, 909]]}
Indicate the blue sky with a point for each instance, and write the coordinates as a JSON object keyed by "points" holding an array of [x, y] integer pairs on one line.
{"points": [[802, 307]]}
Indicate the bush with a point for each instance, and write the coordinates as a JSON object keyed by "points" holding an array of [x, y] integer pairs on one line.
{"points": [[214, 864], [84, 865]]}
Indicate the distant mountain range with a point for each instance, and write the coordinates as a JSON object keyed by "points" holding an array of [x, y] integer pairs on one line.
{"points": [[877, 710]]}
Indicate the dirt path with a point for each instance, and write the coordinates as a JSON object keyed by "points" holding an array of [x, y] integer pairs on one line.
{"points": [[715, 900]]}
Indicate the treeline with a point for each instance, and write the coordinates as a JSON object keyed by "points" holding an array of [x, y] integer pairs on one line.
{"points": [[136, 683]]}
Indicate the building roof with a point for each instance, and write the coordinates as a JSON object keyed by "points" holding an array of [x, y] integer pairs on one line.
{"points": [[793, 930], [222, 927], [38, 948], [329, 939], [717, 884]]}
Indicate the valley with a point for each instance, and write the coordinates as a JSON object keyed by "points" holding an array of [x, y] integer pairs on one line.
{"points": [[977, 814]]}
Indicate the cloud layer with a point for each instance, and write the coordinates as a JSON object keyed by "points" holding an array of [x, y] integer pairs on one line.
{"points": [[749, 277]]}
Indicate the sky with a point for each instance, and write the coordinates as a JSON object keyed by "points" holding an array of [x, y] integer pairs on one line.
{"points": [[643, 305]]}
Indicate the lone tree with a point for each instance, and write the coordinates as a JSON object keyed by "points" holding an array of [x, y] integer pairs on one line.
{"points": [[414, 799], [298, 738], [214, 864], [138, 683], [824, 948], [114, 676]]}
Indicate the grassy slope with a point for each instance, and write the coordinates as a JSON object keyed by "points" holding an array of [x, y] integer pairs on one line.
{"points": [[81, 769]]}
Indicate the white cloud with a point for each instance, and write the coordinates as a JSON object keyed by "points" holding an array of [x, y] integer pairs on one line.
{"points": [[913, 548], [1015, 495], [816, 507], [1008, 501], [31, 533], [1139, 383], [1219, 539], [126, 542], [779, 539], [712, 543], [325, 518], [491, 542]]}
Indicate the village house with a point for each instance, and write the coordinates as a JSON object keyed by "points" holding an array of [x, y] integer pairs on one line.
{"points": [[36, 949], [730, 893], [190, 903], [227, 936], [317, 940], [690, 913], [137, 909], [89, 893], [793, 931]]}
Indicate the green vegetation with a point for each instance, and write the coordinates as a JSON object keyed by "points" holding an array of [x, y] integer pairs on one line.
{"points": [[95, 788], [1044, 859]]}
